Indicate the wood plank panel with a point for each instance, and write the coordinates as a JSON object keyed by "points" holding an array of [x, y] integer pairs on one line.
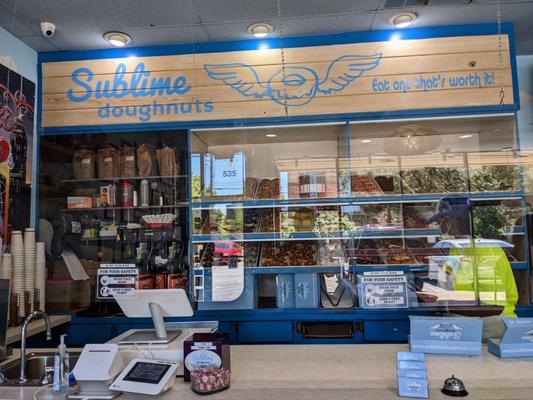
{"points": [[388, 66], [319, 80], [222, 93], [319, 106], [433, 46]]}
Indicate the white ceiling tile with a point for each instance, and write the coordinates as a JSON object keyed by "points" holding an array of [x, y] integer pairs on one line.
{"points": [[39, 43], [300, 8], [295, 26], [524, 47], [328, 24], [18, 28], [81, 23], [145, 37], [82, 15], [225, 11], [434, 16]]}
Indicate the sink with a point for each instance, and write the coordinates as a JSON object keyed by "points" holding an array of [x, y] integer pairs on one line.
{"points": [[35, 363]]}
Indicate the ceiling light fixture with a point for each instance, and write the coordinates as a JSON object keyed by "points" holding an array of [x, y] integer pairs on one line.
{"points": [[260, 30], [366, 141], [403, 20], [117, 39], [465, 136], [271, 135]]}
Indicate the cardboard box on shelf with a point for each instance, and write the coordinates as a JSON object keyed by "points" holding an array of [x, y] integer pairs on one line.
{"points": [[60, 271], [75, 202], [65, 295], [91, 267]]}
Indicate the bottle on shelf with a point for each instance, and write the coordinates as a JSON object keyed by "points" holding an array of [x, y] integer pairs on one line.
{"points": [[126, 194], [145, 193]]}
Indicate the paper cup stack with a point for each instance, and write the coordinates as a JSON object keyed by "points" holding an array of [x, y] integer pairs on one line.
{"points": [[29, 266], [17, 257], [6, 272], [40, 272]]}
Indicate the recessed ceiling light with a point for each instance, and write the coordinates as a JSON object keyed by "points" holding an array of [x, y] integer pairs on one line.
{"points": [[271, 135], [117, 39], [403, 20], [465, 136], [260, 30], [366, 141]]}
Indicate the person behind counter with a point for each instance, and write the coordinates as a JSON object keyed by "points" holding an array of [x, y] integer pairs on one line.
{"points": [[473, 269]]}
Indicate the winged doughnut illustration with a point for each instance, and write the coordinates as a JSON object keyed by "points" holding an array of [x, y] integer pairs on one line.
{"points": [[294, 85]]}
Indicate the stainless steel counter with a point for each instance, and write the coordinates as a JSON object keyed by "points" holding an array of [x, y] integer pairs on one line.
{"points": [[336, 372]]}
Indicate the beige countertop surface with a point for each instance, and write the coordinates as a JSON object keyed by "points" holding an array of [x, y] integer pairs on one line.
{"points": [[338, 372]]}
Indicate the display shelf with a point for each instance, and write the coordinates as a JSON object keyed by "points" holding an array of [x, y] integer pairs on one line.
{"points": [[316, 269], [360, 268], [516, 265], [362, 234], [131, 241], [124, 178], [177, 205], [351, 200]]}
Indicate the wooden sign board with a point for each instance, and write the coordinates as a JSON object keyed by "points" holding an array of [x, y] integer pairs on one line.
{"points": [[349, 78]]}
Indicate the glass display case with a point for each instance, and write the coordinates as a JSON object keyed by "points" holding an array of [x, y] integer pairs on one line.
{"points": [[291, 217], [304, 216], [113, 213]]}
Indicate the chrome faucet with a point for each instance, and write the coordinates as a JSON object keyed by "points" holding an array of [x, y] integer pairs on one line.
{"points": [[22, 376]]}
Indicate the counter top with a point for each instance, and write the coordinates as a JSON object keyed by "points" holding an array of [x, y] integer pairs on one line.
{"points": [[338, 372], [35, 327]]}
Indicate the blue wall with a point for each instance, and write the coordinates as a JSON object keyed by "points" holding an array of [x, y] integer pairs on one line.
{"points": [[21, 55]]}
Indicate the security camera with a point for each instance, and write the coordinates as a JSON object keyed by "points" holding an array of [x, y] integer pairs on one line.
{"points": [[48, 29]]}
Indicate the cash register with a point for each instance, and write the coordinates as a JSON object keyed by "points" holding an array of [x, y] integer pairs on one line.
{"points": [[142, 361], [154, 303]]}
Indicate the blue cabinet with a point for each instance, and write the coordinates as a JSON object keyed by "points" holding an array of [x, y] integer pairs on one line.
{"points": [[386, 331], [265, 332]]}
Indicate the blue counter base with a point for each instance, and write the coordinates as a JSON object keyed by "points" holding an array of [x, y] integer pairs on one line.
{"points": [[271, 326]]}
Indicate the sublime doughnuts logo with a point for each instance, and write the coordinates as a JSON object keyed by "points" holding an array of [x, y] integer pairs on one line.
{"points": [[290, 85], [293, 86], [134, 85], [446, 331]]}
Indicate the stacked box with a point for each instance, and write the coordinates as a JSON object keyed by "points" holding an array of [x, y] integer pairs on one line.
{"points": [[412, 375]]}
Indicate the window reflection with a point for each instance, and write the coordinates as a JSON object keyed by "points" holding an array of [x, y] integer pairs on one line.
{"points": [[439, 200]]}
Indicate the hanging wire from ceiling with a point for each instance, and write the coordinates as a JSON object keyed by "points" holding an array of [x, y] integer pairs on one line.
{"points": [[499, 13], [281, 45], [13, 22]]}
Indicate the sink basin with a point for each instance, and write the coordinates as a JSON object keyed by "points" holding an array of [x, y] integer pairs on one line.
{"points": [[35, 363]]}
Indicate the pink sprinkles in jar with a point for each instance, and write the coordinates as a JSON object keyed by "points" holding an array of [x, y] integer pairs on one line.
{"points": [[209, 380]]}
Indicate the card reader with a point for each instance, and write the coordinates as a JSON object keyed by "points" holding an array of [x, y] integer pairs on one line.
{"points": [[146, 376]]}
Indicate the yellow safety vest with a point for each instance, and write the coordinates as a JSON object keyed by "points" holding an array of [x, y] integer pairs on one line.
{"points": [[495, 280]]}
